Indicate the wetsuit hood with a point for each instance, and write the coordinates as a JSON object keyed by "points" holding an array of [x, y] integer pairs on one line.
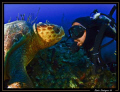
{"points": [[90, 31], [85, 21]]}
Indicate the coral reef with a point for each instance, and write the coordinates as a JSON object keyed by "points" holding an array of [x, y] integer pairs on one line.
{"points": [[57, 67]]}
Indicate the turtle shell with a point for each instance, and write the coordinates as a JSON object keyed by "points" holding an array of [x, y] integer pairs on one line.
{"points": [[14, 32]]}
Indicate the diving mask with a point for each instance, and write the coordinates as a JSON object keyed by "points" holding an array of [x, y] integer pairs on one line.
{"points": [[76, 31]]}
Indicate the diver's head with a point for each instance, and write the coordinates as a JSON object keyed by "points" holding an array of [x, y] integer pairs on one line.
{"points": [[77, 36], [78, 33]]}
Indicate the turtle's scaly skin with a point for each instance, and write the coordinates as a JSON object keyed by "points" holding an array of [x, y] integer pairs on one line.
{"points": [[21, 43]]}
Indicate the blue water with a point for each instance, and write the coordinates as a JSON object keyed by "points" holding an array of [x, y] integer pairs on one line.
{"points": [[61, 14]]}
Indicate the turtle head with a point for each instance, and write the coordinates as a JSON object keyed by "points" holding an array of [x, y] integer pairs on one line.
{"points": [[50, 33]]}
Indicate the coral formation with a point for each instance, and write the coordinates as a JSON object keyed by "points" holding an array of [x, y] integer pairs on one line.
{"points": [[57, 67]]}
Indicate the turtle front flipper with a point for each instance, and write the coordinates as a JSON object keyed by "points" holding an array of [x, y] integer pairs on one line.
{"points": [[20, 79]]}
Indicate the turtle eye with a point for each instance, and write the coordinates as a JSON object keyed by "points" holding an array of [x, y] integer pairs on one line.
{"points": [[56, 29]]}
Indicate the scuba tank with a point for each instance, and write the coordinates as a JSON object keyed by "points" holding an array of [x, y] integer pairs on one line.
{"points": [[106, 19]]}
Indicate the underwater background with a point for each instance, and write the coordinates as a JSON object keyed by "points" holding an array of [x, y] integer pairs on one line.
{"points": [[61, 14], [57, 67]]}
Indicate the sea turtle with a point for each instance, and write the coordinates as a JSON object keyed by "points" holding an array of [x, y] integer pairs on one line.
{"points": [[21, 42]]}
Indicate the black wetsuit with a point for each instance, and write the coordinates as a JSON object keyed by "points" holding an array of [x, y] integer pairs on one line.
{"points": [[107, 53]]}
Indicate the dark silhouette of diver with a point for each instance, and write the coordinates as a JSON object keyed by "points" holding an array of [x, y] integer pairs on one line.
{"points": [[97, 35]]}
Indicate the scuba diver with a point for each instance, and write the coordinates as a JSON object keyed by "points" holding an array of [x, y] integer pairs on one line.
{"points": [[97, 36]]}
